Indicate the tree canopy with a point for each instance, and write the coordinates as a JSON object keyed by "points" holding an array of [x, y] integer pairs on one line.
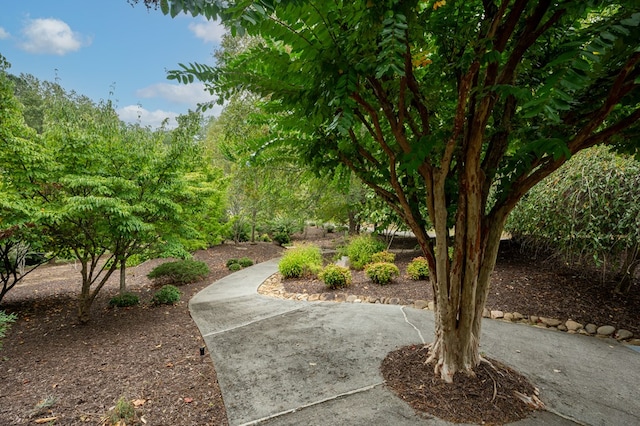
{"points": [[449, 110]]}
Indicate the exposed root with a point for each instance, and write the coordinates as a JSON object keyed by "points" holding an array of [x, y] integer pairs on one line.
{"points": [[532, 401]]}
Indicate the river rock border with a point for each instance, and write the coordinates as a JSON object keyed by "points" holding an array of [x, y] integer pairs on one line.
{"points": [[273, 287]]}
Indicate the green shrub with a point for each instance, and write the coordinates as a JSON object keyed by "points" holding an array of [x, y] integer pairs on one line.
{"points": [[418, 269], [167, 295], [123, 412], [245, 262], [301, 261], [124, 300], [180, 272], [282, 238], [5, 322], [382, 272], [335, 276], [231, 262], [383, 256], [234, 267], [361, 249]]}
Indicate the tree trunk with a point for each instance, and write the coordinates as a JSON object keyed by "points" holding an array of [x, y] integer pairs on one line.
{"points": [[628, 269], [89, 275], [123, 276]]}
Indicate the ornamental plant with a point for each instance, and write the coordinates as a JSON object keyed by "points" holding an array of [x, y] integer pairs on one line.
{"points": [[335, 276], [167, 295], [179, 272], [300, 261], [381, 272], [383, 256], [124, 300], [361, 249], [418, 269]]}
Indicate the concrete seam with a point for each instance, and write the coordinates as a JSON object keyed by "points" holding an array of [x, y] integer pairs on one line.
{"points": [[311, 404], [412, 325], [213, 333], [566, 417]]}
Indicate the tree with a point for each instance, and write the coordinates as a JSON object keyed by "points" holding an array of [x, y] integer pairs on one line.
{"points": [[449, 110], [20, 232]]}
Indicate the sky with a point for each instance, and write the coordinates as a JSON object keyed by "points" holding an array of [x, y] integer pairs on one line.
{"points": [[110, 50]]}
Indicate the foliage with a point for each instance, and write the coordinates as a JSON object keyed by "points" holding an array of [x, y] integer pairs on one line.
{"points": [[124, 300], [383, 256], [243, 262], [167, 295], [381, 272], [418, 269], [361, 249], [587, 212], [335, 276], [5, 322], [301, 261], [180, 272], [433, 106]]}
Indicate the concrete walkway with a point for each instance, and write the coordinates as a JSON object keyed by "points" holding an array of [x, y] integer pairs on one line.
{"points": [[282, 362]]}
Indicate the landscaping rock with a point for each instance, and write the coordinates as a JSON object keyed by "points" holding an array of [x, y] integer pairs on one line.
{"points": [[624, 334], [351, 298], [551, 322], [634, 342], [534, 319], [517, 316], [497, 314], [591, 328], [508, 316], [605, 330], [432, 306], [562, 327], [573, 325], [486, 313], [420, 304]]}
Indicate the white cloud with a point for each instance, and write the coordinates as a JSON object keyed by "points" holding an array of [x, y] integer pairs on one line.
{"points": [[188, 94], [136, 114], [51, 36], [209, 31], [3, 34]]}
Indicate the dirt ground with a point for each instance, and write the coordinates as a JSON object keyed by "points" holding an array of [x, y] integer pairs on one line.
{"points": [[53, 368]]}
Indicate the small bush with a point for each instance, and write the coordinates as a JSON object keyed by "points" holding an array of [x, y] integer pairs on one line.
{"points": [[282, 238], [382, 272], [234, 267], [123, 412], [383, 256], [167, 295], [360, 250], [245, 262], [418, 269], [301, 261], [335, 276], [5, 322], [180, 272], [231, 262], [124, 300]]}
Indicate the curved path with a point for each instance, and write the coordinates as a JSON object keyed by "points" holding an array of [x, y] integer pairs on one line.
{"points": [[282, 362]]}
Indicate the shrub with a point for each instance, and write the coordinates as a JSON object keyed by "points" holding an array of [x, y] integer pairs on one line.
{"points": [[180, 272], [124, 300], [335, 276], [301, 261], [123, 412], [361, 248], [167, 295], [418, 269], [282, 238], [232, 262], [5, 322], [383, 256], [382, 272], [234, 267], [245, 262]]}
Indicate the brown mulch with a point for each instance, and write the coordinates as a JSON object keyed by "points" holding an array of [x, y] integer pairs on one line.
{"points": [[488, 398], [150, 355]]}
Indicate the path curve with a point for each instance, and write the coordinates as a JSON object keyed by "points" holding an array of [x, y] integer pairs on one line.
{"points": [[282, 362]]}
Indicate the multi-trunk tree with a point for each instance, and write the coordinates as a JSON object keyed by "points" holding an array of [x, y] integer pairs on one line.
{"points": [[449, 110]]}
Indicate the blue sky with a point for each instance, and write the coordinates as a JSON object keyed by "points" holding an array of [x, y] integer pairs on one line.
{"points": [[95, 47]]}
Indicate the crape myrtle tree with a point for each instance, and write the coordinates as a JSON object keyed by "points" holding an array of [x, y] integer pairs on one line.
{"points": [[449, 110]]}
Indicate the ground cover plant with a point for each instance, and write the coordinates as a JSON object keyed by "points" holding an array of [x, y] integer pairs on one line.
{"points": [[179, 272], [167, 295], [300, 261]]}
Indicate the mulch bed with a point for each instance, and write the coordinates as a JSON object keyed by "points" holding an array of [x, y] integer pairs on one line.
{"points": [[151, 355]]}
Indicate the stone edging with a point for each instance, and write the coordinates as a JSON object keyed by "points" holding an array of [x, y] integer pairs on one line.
{"points": [[273, 287]]}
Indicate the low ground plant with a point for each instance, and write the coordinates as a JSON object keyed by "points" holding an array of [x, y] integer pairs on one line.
{"points": [[179, 272], [335, 276], [418, 269], [382, 272], [167, 295], [124, 300], [361, 249], [124, 412], [301, 261], [5, 322], [237, 264]]}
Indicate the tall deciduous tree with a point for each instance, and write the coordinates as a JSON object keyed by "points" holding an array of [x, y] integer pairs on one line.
{"points": [[450, 110]]}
